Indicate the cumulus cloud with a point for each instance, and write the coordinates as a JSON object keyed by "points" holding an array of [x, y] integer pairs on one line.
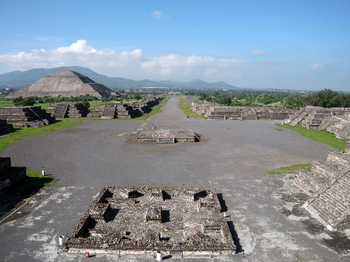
{"points": [[81, 53], [259, 52], [316, 65], [157, 14]]}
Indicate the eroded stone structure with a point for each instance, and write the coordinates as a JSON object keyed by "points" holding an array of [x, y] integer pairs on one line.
{"points": [[167, 136], [124, 110], [335, 120], [145, 220], [64, 84], [328, 185], [212, 110], [9, 174], [26, 116], [67, 109]]}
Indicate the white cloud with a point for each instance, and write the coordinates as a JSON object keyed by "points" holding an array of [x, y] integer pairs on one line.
{"points": [[79, 53], [132, 64], [157, 14], [316, 65], [259, 53]]}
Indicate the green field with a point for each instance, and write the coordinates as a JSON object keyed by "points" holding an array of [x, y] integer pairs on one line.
{"points": [[323, 136], [288, 169]]}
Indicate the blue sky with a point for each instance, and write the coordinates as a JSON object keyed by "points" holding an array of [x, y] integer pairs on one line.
{"points": [[253, 44]]}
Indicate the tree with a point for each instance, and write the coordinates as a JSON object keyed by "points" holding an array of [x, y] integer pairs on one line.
{"points": [[86, 103]]}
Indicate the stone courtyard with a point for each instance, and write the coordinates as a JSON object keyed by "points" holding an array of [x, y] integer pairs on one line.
{"points": [[98, 153]]}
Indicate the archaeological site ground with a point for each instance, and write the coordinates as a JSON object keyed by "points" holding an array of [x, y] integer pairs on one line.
{"points": [[204, 200]]}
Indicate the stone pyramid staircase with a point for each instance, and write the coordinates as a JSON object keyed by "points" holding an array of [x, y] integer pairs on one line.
{"points": [[328, 185]]}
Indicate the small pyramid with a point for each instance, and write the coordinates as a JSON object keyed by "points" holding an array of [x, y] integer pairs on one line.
{"points": [[64, 84]]}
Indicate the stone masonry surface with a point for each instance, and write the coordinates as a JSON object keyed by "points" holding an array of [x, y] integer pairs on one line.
{"points": [[153, 219]]}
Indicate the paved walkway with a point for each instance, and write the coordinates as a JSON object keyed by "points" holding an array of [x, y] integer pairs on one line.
{"points": [[232, 159]]}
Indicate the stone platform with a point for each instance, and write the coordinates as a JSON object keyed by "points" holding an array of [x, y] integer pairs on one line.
{"points": [[146, 220], [167, 136]]}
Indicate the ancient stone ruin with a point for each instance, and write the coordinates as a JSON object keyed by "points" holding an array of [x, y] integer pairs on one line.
{"points": [[335, 120], [212, 110], [25, 116], [124, 110], [9, 174], [249, 113], [67, 109], [146, 220], [167, 136], [64, 84], [328, 185]]}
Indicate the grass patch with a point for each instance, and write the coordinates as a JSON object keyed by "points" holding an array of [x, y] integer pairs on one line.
{"points": [[156, 109], [322, 136], [187, 109], [288, 169], [20, 132]]}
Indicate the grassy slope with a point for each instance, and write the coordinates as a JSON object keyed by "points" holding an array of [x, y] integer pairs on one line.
{"points": [[20, 132], [288, 169], [187, 109], [323, 136]]}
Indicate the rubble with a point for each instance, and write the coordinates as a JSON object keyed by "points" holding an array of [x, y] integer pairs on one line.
{"points": [[145, 220]]}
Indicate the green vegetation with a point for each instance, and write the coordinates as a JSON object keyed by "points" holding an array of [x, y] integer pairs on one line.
{"points": [[288, 169], [187, 109], [323, 136], [20, 132]]}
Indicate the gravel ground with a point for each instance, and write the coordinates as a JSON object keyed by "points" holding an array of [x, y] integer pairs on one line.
{"points": [[232, 159]]}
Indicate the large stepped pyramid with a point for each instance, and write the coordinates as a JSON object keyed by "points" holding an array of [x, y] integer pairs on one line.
{"points": [[64, 84], [328, 185]]}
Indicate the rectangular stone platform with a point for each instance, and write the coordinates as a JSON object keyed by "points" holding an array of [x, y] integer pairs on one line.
{"points": [[145, 220]]}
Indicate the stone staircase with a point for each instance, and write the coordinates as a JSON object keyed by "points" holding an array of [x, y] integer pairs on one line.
{"points": [[109, 111], [26, 116], [298, 116], [328, 185], [66, 109]]}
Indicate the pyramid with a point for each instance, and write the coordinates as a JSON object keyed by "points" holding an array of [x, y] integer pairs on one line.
{"points": [[64, 84]]}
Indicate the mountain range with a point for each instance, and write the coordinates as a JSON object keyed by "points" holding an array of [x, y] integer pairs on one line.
{"points": [[19, 79]]}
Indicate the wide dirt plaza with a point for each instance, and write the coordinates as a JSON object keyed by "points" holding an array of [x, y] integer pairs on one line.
{"points": [[231, 157]]}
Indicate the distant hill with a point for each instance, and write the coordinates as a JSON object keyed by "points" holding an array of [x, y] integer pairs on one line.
{"points": [[19, 79]]}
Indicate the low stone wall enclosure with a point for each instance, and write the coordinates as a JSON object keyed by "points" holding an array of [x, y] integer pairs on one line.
{"points": [[328, 185], [146, 220]]}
